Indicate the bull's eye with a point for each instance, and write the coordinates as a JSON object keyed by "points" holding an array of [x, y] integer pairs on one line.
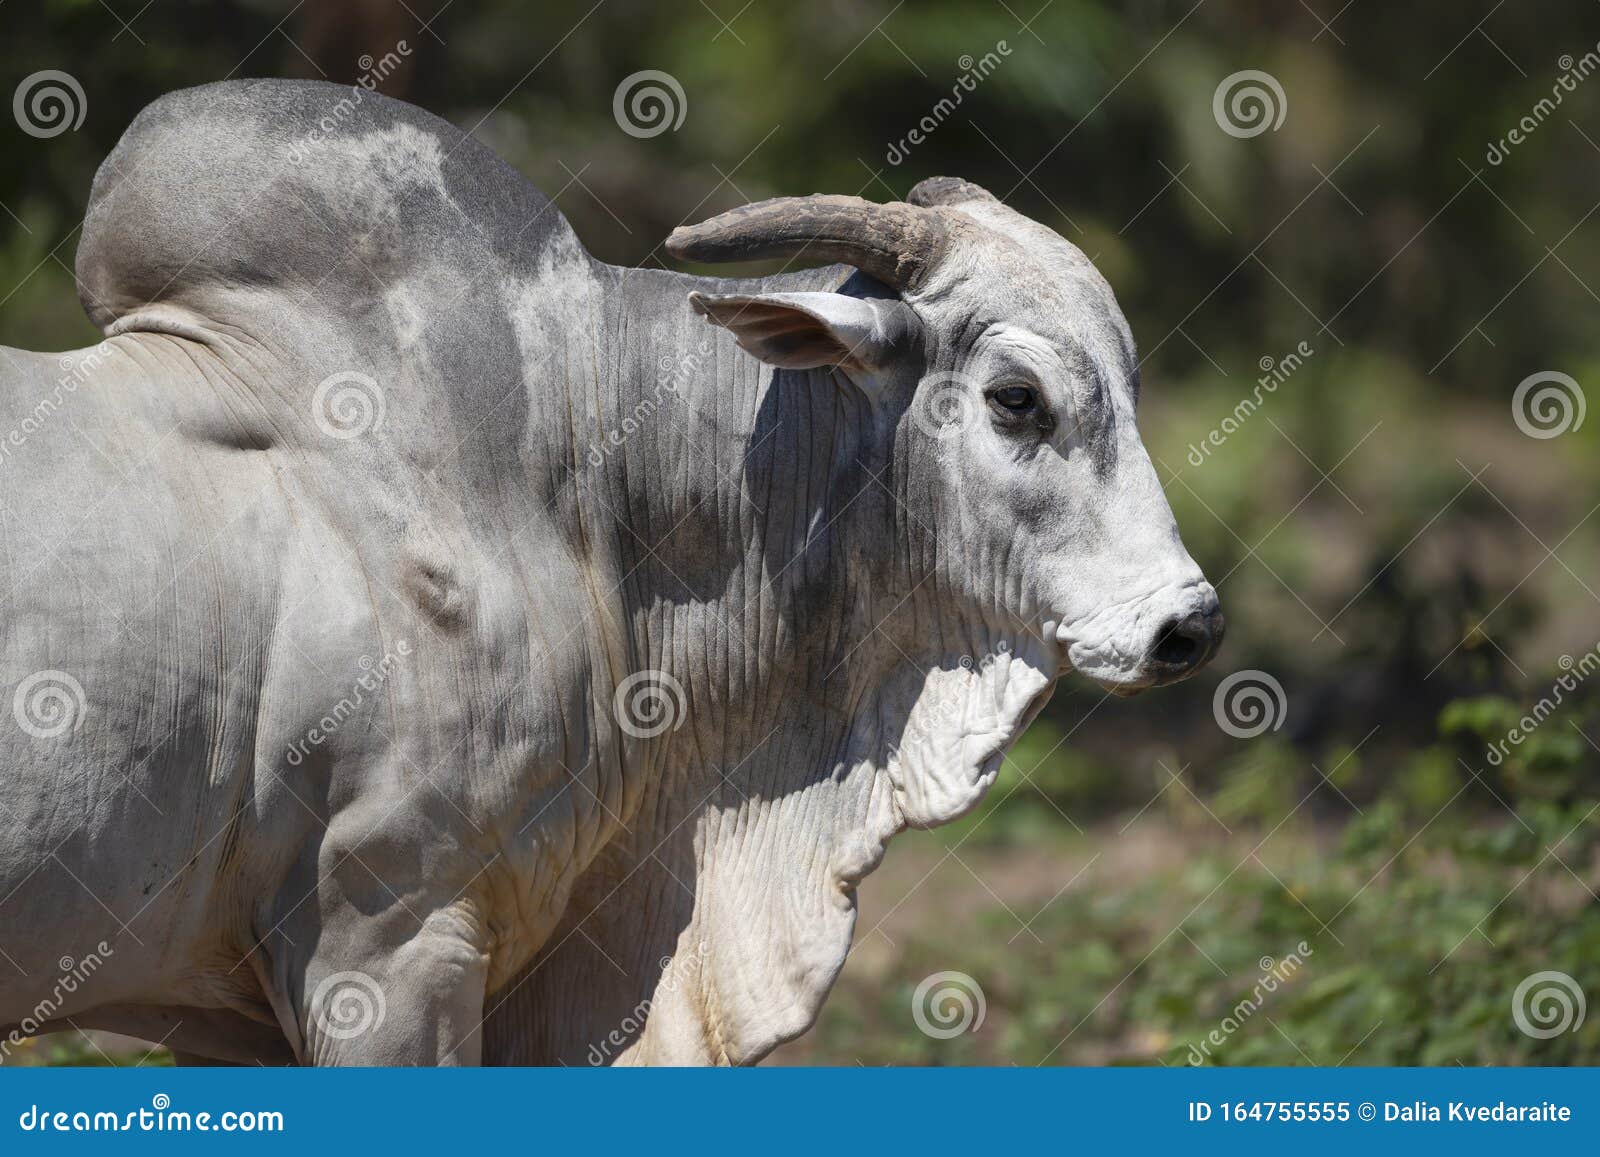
{"points": [[1014, 399]]}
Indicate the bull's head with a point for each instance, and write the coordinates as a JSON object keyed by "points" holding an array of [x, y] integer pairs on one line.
{"points": [[1016, 436]]}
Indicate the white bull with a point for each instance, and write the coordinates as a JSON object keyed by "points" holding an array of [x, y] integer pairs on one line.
{"points": [[429, 644]]}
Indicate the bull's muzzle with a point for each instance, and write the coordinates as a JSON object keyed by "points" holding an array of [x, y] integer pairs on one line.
{"points": [[1183, 645]]}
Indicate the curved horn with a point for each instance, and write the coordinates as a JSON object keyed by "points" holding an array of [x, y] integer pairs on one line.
{"points": [[896, 243]]}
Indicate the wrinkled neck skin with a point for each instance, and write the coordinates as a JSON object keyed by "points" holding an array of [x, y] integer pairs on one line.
{"points": [[751, 536]]}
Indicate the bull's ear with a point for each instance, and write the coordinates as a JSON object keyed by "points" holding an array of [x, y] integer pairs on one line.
{"points": [[800, 331]]}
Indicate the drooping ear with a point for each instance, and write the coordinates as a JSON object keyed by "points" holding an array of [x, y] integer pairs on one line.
{"points": [[801, 331]]}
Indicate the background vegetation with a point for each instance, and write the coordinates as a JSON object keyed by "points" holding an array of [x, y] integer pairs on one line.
{"points": [[1389, 545]]}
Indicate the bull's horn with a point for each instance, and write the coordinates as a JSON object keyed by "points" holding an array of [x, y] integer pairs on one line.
{"points": [[896, 243]]}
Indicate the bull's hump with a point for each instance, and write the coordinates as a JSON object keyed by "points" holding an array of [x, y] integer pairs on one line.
{"points": [[222, 196]]}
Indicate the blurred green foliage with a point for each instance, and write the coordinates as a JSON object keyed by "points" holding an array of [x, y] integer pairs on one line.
{"points": [[1400, 937]]}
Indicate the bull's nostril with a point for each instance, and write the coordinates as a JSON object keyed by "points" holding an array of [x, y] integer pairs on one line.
{"points": [[1182, 642]]}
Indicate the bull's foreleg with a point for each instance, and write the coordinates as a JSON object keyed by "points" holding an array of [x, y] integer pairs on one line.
{"points": [[368, 998]]}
